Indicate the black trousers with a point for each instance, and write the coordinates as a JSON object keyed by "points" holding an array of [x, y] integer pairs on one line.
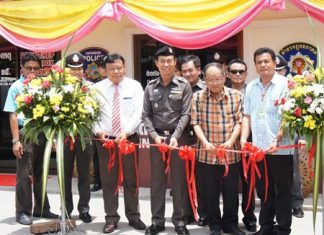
{"points": [[110, 181], [29, 173], [83, 166], [249, 213], [201, 209], [214, 183], [278, 203], [180, 195], [96, 168]]}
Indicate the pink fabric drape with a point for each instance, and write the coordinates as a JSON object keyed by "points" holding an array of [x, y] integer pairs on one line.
{"points": [[317, 13], [108, 11], [174, 37]]}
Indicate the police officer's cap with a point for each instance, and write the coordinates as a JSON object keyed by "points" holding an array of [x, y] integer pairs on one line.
{"points": [[164, 51], [75, 60], [280, 62]]}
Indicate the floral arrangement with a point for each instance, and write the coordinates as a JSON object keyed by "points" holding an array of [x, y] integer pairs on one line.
{"points": [[60, 106], [302, 106], [58, 101], [302, 109]]}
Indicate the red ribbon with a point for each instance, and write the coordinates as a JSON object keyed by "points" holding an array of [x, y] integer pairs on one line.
{"points": [[110, 146], [188, 155], [126, 148], [164, 149], [69, 139], [222, 157], [255, 155]]}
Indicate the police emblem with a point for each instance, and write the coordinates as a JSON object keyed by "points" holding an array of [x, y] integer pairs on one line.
{"points": [[296, 55]]}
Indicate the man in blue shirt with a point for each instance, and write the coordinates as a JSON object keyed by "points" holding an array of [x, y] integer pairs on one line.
{"points": [[29, 157], [261, 116]]}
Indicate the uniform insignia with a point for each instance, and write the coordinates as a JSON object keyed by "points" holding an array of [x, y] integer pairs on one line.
{"points": [[216, 56], [75, 58], [156, 105], [156, 90], [277, 60]]}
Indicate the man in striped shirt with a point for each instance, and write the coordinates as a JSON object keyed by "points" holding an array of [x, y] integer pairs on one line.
{"points": [[216, 119]]}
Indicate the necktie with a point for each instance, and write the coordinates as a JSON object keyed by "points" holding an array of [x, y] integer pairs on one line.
{"points": [[116, 113]]}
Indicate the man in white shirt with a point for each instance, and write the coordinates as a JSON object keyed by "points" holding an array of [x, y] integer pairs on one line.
{"points": [[121, 101]]}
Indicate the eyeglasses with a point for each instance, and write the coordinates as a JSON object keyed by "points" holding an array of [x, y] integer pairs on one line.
{"points": [[237, 71], [30, 68]]}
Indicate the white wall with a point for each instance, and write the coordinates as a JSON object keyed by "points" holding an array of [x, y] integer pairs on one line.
{"points": [[278, 33]]}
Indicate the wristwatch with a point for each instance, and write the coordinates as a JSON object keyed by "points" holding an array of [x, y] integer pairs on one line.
{"points": [[14, 141]]}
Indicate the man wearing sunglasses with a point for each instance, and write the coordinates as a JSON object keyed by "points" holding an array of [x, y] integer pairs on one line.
{"points": [[237, 73], [29, 156]]}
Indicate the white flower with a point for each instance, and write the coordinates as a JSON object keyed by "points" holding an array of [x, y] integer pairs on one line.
{"points": [[68, 88], [89, 109], [319, 110], [288, 105]]}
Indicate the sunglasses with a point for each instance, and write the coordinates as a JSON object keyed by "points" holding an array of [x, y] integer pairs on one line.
{"points": [[237, 71]]}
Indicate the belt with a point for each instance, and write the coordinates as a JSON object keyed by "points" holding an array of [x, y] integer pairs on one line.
{"points": [[164, 132]]}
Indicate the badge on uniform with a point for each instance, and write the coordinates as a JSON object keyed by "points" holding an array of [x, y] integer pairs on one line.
{"points": [[156, 105]]}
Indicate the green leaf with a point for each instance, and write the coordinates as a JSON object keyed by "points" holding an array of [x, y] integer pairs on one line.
{"points": [[56, 119], [317, 174], [45, 118], [60, 165], [46, 162]]}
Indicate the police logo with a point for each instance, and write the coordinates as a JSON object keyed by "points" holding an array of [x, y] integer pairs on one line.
{"points": [[296, 54]]}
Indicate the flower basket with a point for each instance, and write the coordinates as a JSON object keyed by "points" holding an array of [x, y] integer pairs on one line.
{"points": [[302, 109], [60, 106]]}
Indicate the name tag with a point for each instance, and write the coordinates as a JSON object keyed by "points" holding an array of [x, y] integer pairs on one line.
{"points": [[127, 98]]}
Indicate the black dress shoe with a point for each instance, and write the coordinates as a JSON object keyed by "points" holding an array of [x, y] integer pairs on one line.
{"points": [[251, 226], [202, 221], [109, 227], [23, 218], [154, 229], [182, 230], [265, 231], [137, 224], [234, 231], [215, 232], [298, 212], [85, 217], [46, 215], [95, 187]]}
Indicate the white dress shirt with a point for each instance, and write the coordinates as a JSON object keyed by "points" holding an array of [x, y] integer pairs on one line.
{"points": [[131, 105]]}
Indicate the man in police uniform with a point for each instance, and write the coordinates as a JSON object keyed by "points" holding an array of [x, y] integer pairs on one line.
{"points": [[75, 61], [30, 156], [166, 113]]}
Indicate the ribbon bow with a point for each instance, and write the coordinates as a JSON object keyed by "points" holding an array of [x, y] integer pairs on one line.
{"points": [[255, 155], [222, 157], [164, 149], [126, 148], [110, 146], [187, 154]]}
